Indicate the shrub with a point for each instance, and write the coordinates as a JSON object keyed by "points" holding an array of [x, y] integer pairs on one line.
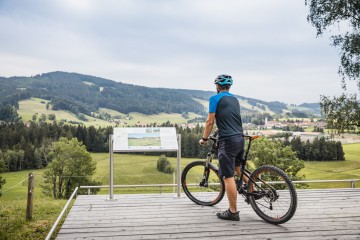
{"points": [[163, 165]]}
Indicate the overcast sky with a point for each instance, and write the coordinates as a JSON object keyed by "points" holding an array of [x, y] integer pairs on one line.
{"points": [[268, 47]]}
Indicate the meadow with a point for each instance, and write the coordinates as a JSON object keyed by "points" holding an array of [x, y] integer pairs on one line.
{"points": [[29, 107], [129, 169], [37, 106], [13, 224], [335, 170]]}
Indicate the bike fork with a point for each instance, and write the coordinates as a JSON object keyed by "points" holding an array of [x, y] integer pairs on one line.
{"points": [[205, 180]]}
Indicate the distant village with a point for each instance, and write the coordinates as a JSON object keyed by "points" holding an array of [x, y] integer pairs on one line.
{"points": [[296, 128]]}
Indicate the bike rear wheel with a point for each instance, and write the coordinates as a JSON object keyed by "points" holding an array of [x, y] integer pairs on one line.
{"points": [[274, 197], [207, 193]]}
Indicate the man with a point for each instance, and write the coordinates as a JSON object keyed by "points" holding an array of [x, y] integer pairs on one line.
{"points": [[225, 109]]}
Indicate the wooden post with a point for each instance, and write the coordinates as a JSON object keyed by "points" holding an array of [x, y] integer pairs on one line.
{"points": [[30, 198]]}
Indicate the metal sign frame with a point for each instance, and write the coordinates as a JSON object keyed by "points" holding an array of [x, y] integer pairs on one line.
{"points": [[111, 156]]}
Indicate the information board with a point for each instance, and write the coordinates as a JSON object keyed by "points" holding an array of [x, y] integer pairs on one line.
{"points": [[145, 139]]}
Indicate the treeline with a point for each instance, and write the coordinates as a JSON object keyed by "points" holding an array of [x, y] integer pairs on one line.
{"points": [[26, 146], [318, 150], [8, 113]]}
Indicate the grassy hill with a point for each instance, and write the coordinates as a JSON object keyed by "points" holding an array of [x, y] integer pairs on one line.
{"points": [[83, 94], [37, 106]]}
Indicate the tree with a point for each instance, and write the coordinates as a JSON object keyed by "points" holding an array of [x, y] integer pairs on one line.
{"points": [[41, 154], [323, 15], [265, 151], [342, 113], [52, 116], [296, 146], [72, 166], [2, 162], [8, 113], [13, 159], [2, 182], [43, 117]]}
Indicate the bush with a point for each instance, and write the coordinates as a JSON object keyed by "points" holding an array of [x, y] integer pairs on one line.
{"points": [[163, 165], [51, 116], [2, 182]]}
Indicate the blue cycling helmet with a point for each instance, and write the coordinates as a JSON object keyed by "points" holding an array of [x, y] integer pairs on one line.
{"points": [[223, 79]]}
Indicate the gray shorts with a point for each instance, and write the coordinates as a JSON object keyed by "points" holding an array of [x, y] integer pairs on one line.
{"points": [[230, 154]]}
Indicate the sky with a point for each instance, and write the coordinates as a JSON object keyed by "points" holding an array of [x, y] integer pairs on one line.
{"points": [[268, 47]]}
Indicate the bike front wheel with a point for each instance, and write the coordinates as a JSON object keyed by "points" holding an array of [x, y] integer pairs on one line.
{"points": [[202, 184], [273, 195]]}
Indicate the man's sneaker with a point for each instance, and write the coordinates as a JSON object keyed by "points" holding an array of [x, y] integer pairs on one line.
{"points": [[227, 215]]}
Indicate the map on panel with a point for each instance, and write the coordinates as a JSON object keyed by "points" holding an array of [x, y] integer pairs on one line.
{"points": [[145, 139]]}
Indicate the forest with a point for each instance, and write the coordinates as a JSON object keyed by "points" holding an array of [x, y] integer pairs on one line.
{"points": [[26, 146], [85, 94]]}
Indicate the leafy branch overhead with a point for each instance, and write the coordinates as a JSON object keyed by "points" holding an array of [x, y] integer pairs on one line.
{"points": [[342, 113], [345, 14]]}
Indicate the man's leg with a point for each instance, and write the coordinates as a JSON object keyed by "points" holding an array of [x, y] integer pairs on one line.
{"points": [[232, 213], [231, 193], [245, 178]]}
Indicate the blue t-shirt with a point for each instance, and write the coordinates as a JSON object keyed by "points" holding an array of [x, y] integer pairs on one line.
{"points": [[227, 114]]}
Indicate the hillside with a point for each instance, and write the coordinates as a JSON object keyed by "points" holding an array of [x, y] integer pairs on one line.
{"points": [[84, 94], [37, 107]]}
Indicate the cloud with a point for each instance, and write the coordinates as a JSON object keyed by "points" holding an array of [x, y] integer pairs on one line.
{"points": [[268, 46]]}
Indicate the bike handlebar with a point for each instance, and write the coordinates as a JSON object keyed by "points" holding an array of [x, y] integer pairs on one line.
{"points": [[214, 136]]}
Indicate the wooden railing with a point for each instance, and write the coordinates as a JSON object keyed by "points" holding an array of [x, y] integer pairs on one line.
{"points": [[161, 186]]}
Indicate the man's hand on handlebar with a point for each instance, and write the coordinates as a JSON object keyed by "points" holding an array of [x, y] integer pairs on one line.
{"points": [[203, 141]]}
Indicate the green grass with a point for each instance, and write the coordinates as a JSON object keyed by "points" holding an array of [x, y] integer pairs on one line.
{"points": [[335, 170], [129, 169], [309, 129], [13, 223], [111, 112], [245, 104], [139, 118], [29, 107]]}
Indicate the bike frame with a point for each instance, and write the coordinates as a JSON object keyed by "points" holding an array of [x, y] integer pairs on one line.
{"points": [[243, 171]]}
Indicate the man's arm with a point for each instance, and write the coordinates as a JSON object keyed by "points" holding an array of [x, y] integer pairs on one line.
{"points": [[208, 127]]}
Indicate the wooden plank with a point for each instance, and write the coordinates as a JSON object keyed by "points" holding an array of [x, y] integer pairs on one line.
{"points": [[321, 214], [176, 228]]}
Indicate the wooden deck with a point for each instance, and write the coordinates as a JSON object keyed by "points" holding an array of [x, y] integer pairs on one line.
{"points": [[321, 214]]}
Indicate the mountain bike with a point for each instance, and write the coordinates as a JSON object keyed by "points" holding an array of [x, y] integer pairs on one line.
{"points": [[268, 189]]}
